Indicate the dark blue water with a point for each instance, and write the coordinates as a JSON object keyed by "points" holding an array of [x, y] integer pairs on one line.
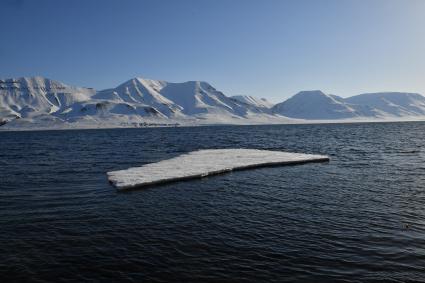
{"points": [[359, 218]]}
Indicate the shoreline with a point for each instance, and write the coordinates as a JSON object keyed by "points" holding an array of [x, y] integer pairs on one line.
{"points": [[176, 124]]}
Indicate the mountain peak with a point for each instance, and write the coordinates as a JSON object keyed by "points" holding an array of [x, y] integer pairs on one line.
{"points": [[314, 104], [310, 93]]}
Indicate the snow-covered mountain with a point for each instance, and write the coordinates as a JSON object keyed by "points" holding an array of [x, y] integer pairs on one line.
{"points": [[37, 97], [40, 101], [397, 104], [43, 103], [316, 105], [253, 101], [141, 93], [177, 100], [137, 101], [27, 96]]}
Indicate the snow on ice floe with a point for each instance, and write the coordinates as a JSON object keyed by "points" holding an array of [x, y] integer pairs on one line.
{"points": [[201, 163]]}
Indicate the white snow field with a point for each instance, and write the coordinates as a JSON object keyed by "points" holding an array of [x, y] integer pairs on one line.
{"points": [[201, 163]]}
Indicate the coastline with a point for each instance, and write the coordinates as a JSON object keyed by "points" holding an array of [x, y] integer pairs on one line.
{"points": [[184, 124]]}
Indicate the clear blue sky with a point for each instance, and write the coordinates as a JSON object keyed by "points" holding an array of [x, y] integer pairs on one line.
{"points": [[266, 48]]}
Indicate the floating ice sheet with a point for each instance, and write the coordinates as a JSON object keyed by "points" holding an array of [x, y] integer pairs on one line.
{"points": [[203, 163]]}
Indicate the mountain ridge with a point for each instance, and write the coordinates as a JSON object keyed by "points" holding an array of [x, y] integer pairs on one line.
{"points": [[318, 105], [28, 101]]}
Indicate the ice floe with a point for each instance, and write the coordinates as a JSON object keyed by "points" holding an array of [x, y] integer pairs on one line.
{"points": [[203, 163]]}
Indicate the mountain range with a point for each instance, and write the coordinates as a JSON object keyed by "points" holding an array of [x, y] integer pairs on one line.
{"points": [[317, 105], [36, 102]]}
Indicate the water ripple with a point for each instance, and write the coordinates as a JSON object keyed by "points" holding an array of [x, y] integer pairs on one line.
{"points": [[359, 218]]}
